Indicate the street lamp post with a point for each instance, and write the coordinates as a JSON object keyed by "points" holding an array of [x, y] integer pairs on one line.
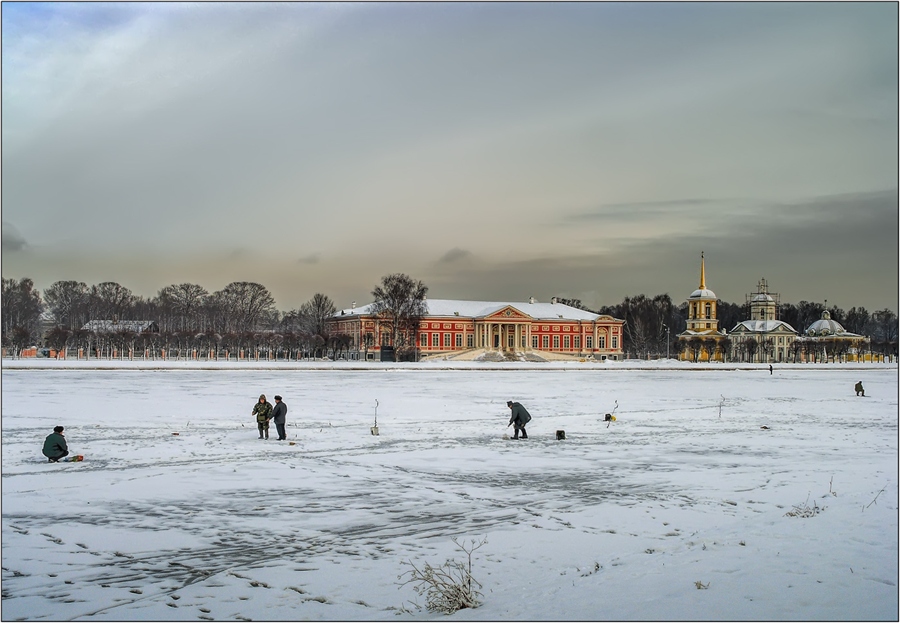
{"points": [[667, 340]]}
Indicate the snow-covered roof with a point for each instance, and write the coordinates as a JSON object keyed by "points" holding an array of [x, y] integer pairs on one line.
{"points": [[763, 326], [762, 297], [112, 326], [703, 294], [825, 326], [707, 333], [480, 309]]}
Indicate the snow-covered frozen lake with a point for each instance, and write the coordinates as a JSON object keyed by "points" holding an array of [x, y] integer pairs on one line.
{"points": [[179, 512]]}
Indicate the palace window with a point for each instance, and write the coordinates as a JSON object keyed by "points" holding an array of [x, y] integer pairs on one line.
{"points": [[546, 342], [577, 341], [589, 341], [446, 340], [534, 341], [436, 340], [601, 341], [470, 341], [555, 342], [423, 340], [615, 342], [566, 342], [459, 340], [708, 311], [509, 340]]}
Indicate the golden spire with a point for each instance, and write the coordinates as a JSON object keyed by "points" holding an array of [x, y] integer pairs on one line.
{"points": [[702, 272]]}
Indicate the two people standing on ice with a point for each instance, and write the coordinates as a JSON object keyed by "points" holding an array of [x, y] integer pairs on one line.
{"points": [[265, 412], [520, 417]]}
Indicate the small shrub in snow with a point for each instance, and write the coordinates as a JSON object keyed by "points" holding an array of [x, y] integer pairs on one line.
{"points": [[805, 510], [448, 587]]}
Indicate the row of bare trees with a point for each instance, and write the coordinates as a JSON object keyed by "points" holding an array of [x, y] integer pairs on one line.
{"points": [[240, 317], [288, 345], [190, 321]]}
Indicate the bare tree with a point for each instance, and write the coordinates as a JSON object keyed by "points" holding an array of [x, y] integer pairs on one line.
{"points": [[110, 301], [312, 318], [400, 304], [67, 302], [21, 312], [751, 346], [244, 306], [695, 344], [58, 339], [858, 321], [795, 349], [184, 302], [710, 346], [726, 345]]}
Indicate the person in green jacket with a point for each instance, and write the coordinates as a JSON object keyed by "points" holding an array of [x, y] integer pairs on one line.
{"points": [[55, 446], [263, 412], [520, 417]]}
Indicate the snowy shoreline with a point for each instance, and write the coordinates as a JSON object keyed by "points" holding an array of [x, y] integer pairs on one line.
{"points": [[356, 366]]}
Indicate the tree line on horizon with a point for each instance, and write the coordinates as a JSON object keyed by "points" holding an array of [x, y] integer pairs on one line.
{"points": [[243, 315]]}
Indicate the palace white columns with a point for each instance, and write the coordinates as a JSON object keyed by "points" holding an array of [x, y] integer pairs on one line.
{"points": [[497, 335]]}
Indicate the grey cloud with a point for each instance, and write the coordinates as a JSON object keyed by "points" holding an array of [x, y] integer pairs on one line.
{"points": [[312, 258], [12, 239], [219, 120], [454, 255], [841, 247], [640, 210]]}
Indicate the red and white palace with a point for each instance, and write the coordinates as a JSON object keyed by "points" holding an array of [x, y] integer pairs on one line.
{"points": [[451, 327]]}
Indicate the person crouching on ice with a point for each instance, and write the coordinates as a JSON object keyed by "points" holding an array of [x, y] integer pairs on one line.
{"points": [[263, 412], [55, 446], [520, 417], [859, 389]]}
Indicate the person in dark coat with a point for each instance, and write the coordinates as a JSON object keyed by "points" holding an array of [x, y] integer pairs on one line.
{"points": [[520, 417], [263, 412], [278, 414], [55, 446], [859, 389]]}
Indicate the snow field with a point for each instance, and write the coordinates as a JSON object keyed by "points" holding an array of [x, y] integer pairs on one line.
{"points": [[612, 523]]}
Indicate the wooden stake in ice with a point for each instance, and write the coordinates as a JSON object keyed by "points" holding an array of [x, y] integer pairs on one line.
{"points": [[374, 429]]}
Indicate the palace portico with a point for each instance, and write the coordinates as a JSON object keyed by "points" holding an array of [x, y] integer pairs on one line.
{"points": [[452, 326]]}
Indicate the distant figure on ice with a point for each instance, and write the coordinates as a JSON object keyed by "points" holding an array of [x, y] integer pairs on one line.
{"points": [[55, 446], [859, 389], [263, 412], [770, 368], [278, 414], [520, 417]]}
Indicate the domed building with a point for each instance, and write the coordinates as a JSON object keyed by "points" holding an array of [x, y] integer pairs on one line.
{"points": [[826, 339], [701, 340], [763, 339]]}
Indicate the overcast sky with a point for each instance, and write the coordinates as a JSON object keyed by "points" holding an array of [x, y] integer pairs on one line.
{"points": [[495, 151]]}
